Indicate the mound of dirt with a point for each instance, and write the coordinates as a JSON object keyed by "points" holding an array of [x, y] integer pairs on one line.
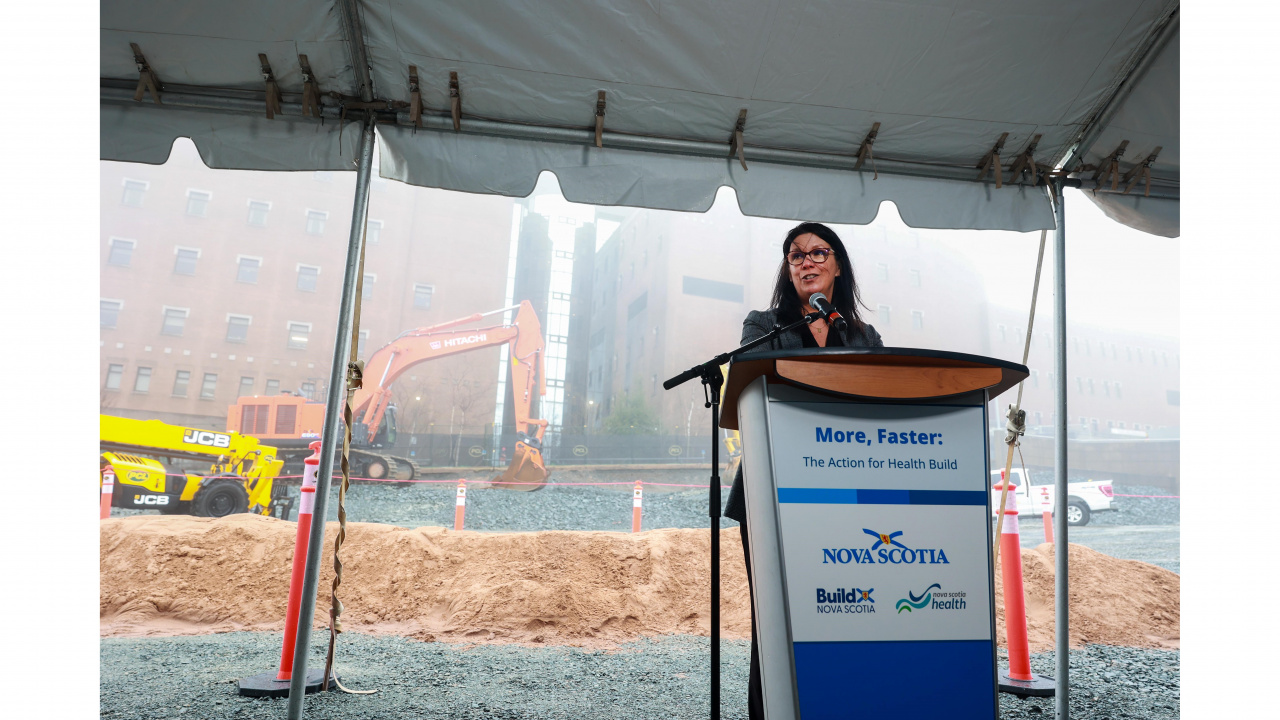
{"points": [[167, 575]]}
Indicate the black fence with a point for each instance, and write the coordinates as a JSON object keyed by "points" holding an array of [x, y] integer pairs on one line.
{"points": [[440, 450]]}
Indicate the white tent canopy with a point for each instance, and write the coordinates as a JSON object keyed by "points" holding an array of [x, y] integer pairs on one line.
{"points": [[945, 81]]}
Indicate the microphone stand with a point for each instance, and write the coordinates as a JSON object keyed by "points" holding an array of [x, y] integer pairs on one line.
{"points": [[712, 380]]}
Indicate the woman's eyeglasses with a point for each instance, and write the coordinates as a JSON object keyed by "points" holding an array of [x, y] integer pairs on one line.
{"points": [[818, 255]]}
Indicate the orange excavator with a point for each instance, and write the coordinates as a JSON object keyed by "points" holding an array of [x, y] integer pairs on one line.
{"points": [[290, 419]]}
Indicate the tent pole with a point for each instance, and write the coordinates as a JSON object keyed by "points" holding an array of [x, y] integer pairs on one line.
{"points": [[331, 436], [1062, 644]]}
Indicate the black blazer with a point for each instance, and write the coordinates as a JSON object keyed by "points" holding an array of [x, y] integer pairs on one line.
{"points": [[757, 324]]}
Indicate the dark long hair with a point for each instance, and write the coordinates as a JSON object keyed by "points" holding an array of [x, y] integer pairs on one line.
{"points": [[847, 300]]}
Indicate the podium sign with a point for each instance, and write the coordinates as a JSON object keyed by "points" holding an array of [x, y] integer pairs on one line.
{"points": [[869, 523]]}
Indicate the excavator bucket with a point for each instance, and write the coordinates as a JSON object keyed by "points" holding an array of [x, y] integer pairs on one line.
{"points": [[526, 472]]}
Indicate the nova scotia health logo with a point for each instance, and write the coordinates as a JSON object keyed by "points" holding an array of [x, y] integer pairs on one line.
{"points": [[927, 598]]}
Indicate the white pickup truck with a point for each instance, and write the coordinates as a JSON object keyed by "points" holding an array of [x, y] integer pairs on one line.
{"points": [[1083, 498]]}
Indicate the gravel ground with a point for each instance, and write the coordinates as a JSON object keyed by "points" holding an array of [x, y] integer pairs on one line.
{"points": [[555, 507], [586, 507], [195, 677]]}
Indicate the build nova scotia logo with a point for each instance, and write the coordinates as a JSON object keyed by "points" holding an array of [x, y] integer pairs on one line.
{"points": [[931, 600]]}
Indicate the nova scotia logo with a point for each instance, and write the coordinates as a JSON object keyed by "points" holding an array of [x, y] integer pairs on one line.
{"points": [[886, 550]]}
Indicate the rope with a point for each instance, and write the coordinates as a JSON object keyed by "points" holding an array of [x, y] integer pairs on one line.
{"points": [[355, 379], [1017, 417]]}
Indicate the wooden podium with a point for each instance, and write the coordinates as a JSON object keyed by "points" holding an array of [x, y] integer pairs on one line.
{"points": [[868, 504]]}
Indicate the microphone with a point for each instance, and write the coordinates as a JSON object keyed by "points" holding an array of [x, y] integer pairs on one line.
{"points": [[819, 302]]}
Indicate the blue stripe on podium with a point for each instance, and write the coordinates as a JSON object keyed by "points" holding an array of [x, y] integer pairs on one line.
{"points": [[948, 680], [845, 496]]}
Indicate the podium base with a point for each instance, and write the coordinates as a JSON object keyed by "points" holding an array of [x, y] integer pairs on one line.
{"points": [[266, 685], [1037, 686]]}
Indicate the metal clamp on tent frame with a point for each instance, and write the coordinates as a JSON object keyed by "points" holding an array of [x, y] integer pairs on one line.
{"points": [[991, 161], [1141, 171], [1026, 161], [600, 119], [310, 89], [455, 101], [273, 88], [415, 98], [735, 140], [148, 81], [1110, 168], [865, 152]]}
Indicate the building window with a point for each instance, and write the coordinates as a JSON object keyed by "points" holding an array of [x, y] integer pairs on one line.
{"points": [[364, 335], [109, 312], [882, 271], [714, 289], [1117, 391], [1106, 388], [184, 261], [1113, 357], [373, 231], [246, 387], [917, 320], [1173, 397], [238, 328], [247, 269], [197, 203], [298, 334], [308, 390], [914, 275], [1035, 378], [142, 382], [121, 252], [133, 192], [315, 222], [273, 387], [1091, 388], [882, 312], [323, 176], [114, 373], [1088, 348], [308, 275], [258, 210], [209, 386], [422, 296], [1138, 351], [1079, 384], [180, 382], [1039, 418], [1128, 353], [366, 288], [175, 321], [1003, 331]]}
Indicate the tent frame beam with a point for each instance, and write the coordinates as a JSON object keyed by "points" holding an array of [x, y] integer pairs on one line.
{"points": [[1156, 42], [1061, 605], [249, 102]]}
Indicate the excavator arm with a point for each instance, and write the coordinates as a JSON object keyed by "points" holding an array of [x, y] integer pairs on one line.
{"points": [[523, 336]]}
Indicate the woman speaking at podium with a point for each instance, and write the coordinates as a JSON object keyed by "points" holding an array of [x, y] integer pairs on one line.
{"points": [[813, 261]]}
